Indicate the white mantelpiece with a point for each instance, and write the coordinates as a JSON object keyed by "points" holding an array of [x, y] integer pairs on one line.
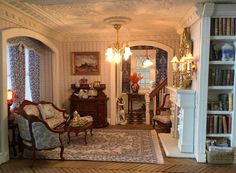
{"points": [[183, 106]]}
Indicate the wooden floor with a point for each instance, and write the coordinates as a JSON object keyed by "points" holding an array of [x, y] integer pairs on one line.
{"points": [[171, 165]]}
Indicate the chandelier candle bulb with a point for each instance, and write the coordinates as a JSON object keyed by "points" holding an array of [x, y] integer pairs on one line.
{"points": [[175, 65]]}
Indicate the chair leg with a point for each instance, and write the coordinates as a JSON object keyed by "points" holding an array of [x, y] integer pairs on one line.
{"points": [[154, 124], [61, 153], [34, 154], [22, 152]]}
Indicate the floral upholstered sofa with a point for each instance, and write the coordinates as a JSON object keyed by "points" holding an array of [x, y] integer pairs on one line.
{"points": [[47, 112]]}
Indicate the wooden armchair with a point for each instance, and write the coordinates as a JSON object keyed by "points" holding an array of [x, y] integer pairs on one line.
{"points": [[36, 134], [162, 119]]}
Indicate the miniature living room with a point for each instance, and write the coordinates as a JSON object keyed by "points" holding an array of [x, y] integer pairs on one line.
{"points": [[119, 86]]}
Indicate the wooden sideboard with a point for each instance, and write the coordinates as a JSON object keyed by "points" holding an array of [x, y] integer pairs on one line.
{"points": [[95, 106]]}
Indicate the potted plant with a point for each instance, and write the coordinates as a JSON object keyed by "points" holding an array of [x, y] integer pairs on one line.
{"points": [[134, 79]]}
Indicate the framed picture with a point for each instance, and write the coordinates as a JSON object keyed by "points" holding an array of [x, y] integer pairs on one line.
{"points": [[85, 63]]}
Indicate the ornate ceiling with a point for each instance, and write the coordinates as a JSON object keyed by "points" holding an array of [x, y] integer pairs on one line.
{"points": [[86, 17]]}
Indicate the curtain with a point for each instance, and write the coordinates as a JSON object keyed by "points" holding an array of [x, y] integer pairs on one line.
{"points": [[34, 71], [17, 72], [161, 65]]}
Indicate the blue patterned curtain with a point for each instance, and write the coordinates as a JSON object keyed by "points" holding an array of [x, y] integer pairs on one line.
{"points": [[34, 71], [17, 73], [161, 65]]}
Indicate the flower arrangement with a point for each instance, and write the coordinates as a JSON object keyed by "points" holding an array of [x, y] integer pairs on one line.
{"points": [[135, 78]]}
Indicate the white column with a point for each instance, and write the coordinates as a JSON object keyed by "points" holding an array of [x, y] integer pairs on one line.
{"points": [[147, 102]]}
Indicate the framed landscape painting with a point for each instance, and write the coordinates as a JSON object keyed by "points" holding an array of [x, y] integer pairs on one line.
{"points": [[85, 63]]}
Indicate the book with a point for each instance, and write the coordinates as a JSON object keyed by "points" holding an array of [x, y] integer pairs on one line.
{"points": [[231, 26], [220, 125], [229, 124], [216, 26], [230, 101], [224, 124], [211, 124], [212, 26], [228, 21], [215, 124]]}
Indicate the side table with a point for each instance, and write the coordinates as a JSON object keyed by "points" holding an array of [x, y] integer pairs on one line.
{"points": [[12, 125], [78, 129]]}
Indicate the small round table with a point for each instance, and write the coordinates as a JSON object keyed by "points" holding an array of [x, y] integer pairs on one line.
{"points": [[77, 129]]}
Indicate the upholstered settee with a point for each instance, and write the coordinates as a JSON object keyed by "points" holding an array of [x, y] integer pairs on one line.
{"points": [[47, 112], [37, 135]]}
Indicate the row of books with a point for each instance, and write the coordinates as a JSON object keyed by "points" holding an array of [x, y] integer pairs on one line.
{"points": [[219, 124], [220, 77], [216, 52], [223, 26], [224, 103]]}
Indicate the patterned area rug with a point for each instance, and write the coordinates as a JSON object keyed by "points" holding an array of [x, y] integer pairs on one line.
{"points": [[119, 145]]}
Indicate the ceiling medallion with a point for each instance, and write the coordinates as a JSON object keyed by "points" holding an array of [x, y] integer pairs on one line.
{"points": [[120, 20], [118, 51]]}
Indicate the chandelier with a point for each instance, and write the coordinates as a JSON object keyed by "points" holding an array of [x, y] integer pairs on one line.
{"points": [[118, 51], [147, 61]]}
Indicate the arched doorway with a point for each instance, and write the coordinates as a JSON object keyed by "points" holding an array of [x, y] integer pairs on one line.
{"points": [[5, 35], [170, 53]]}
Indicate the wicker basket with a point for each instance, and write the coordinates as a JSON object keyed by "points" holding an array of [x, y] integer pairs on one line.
{"points": [[220, 157]]}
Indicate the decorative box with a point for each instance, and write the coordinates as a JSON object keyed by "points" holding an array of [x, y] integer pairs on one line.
{"points": [[220, 157]]}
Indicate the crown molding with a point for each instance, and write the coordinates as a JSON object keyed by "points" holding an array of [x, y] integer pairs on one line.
{"points": [[20, 18], [123, 38], [190, 18], [206, 9]]}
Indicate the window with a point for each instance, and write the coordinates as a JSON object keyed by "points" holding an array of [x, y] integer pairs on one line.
{"points": [[145, 72], [28, 95]]}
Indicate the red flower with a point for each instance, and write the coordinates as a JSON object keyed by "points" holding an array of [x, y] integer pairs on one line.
{"points": [[134, 78]]}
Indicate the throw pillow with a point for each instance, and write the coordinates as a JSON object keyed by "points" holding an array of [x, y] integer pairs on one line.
{"points": [[47, 111], [31, 110]]}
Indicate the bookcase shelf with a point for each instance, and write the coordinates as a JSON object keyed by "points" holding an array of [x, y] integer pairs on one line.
{"points": [[220, 87], [223, 38], [221, 62], [228, 135], [220, 112]]}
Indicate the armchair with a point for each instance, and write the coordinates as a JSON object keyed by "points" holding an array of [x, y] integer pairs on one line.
{"points": [[163, 115], [37, 135]]}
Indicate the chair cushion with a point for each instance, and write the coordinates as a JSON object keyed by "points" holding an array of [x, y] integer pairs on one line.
{"points": [[47, 111], [32, 110], [165, 119], [88, 118], [55, 121], [79, 123]]}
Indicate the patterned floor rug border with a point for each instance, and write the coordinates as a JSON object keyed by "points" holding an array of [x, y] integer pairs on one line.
{"points": [[117, 145]]}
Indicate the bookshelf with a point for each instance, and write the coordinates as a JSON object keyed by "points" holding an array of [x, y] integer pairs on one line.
{"points": [[221, 80]]}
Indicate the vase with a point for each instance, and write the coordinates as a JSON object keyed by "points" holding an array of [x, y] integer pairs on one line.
{"points": [[134, 87]]}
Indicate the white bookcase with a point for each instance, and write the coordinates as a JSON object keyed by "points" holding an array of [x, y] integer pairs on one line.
{"points": [[221, 97]]}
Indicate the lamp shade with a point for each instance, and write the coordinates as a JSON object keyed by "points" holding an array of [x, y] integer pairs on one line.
{"points": [[10, 96]]}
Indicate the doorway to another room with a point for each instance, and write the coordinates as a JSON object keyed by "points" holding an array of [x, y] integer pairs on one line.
{"points": [[148, 76]]}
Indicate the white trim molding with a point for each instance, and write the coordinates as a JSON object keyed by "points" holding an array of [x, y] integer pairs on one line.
{"points": [[23, 19]]}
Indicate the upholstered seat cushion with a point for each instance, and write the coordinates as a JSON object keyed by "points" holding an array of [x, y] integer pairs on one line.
{"points": [[55, 121], [88, 118], [165, 119], [81, 121]]}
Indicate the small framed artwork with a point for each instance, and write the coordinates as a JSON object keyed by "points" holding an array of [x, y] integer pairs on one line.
{"points": [[85, 63]]}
